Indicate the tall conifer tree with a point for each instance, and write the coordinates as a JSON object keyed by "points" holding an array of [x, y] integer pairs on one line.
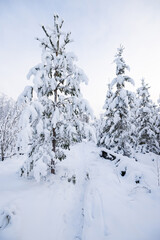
{"points": [[52, 121], [117, 132]]}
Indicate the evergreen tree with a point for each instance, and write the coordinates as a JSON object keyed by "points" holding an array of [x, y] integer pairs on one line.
{"points": [[133, 104], [104, 137], [117, 133], [52, 122], [98, 126], [147, 130], [158, 123], [9, 116]]}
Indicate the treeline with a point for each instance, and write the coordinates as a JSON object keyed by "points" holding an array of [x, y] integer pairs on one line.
{"points": [[131, 122]]}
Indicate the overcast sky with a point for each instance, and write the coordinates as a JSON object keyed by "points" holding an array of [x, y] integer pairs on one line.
{"points": [[98, 27]]}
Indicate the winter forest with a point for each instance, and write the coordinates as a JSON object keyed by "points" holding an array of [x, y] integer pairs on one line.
{"points": [[67, 174]]}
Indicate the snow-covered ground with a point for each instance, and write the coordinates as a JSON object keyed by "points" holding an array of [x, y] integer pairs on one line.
{"points": [[87, 199]]}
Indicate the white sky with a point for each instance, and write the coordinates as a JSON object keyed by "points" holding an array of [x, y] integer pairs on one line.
{"points": [[98, 27]]}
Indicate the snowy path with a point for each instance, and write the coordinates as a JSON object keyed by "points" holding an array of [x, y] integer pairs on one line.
{"points": [[101, 205]]}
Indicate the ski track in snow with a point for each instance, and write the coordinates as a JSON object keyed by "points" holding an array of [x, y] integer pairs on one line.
{"points": [[100, 206]]}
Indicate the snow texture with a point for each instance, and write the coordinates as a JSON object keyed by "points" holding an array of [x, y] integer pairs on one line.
{"points": [[88, 199]]}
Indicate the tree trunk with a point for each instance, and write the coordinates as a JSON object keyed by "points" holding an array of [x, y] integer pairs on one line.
{"points": [[54, 130], [54, 140], [2, 153], [54, 150]]}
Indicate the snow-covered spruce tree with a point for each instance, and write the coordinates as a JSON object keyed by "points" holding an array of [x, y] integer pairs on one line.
{"points": [[117, 133], [156, 128], [98, 126], [104, 137], [133, 105], [146, 119], [52, 121], [158, 122], [8, 127]]}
